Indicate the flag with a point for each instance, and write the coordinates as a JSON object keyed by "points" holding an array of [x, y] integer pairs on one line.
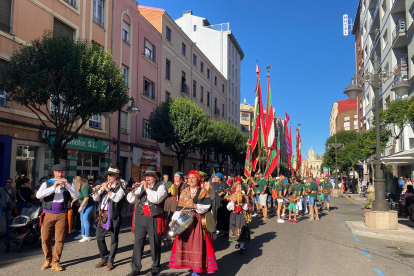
{"points": [[278, 148], [258, 124], [247, 164], [287, 119], [270, 125], [272, 161], [298, 151], [291, 151]]}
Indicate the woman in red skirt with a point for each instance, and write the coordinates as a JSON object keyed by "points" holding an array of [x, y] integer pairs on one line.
{"points": [[193, 249]]}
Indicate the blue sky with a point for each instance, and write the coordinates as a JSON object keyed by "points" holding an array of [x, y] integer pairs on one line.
{"points": [[311, 60]]}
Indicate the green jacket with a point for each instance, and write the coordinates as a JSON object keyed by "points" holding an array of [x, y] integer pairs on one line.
{"points": [[370, 199]]}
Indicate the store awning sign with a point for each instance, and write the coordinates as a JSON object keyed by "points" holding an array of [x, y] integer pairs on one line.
{"points": [[84, 144]]}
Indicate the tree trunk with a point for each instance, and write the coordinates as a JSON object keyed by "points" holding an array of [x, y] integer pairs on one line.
{"points": [[180, 163]]}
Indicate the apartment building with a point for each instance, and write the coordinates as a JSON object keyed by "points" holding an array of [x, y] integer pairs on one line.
{"points": [[387, 31], [186, 72], [347, 117], [23, 149], [220, 45], [333, 128]]}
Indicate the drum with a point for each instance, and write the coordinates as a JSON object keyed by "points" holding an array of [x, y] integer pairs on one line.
{"points": [[208, 223], [181, 224]]}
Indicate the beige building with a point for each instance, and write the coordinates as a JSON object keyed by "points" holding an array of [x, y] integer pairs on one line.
{"points": [[246, 118], [313, 164], [186, 72], [332, 119]]}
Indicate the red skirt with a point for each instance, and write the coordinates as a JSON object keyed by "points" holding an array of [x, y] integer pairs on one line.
{"points": [[191, 251]]}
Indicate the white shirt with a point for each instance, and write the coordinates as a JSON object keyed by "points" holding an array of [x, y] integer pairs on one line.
{"points": [[44, 192], [201, 209], [155, 197], [230, 206], [115, 197]]}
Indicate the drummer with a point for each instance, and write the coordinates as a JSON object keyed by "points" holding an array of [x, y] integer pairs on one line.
{"points": [[170, 206], [239, 216], [193, 249]]}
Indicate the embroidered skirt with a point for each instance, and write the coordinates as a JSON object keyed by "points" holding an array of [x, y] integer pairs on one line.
{"points": [[239, 229]]}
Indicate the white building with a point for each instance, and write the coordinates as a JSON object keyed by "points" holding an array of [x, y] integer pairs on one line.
{"points": [[219, 44]]}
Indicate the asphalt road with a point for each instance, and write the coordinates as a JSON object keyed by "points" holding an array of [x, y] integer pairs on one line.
{"points": [[324, 247]]}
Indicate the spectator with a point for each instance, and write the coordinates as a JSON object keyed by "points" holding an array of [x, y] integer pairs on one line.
{"points": [[25, 196], [364, 187], [370, 197], [43, 179], [7, 202], [78, 183], [99, 180], [85, 209], [409, 193]]}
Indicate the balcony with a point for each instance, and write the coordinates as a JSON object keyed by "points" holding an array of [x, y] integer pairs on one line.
{"points": [[216, 111], [219, 27], [401, 66], [375, 45], [98, 21], [398, 6], [185, 90], [72, 3], [399, 35], [375, 21]]}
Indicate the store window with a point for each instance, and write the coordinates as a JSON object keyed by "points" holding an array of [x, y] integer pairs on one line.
{"points": [[25, 163], [88, 164]]}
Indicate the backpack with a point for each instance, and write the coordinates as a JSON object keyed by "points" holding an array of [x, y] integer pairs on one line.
{"points": [[274, 194]]}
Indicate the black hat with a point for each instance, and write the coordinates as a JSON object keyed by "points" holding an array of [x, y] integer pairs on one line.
{"points": [[150, 171], [112, 170], [59, 167]]}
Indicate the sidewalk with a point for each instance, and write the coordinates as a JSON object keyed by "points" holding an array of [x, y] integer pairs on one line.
{"points": [[405, 232]]}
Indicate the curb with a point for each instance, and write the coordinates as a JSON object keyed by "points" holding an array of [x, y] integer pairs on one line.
{"points": [[378, 235]]}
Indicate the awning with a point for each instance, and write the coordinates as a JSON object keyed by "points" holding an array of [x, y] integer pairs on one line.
{"points": [[401, 157]]}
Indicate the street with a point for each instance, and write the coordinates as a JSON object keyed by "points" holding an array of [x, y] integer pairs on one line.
{"points": [[324, 247]]}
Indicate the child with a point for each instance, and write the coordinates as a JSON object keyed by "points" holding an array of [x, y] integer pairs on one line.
{"points": [[293, 198]]}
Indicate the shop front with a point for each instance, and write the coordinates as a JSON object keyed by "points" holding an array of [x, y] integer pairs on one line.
{"points": [[143, 158]]}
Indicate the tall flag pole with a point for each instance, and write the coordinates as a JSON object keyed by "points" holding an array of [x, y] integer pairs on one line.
{"points": [[258, 126], [298, 150], [291, 150], [288, 145], [272, 152], [248, 164], [278, 149]]}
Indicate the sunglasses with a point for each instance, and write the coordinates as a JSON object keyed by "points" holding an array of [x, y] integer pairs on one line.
{"points": [[9, 182]]}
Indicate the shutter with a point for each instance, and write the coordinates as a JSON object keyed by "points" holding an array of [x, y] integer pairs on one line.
{"points": [[3, 65], [5, 15], [61, 28], [124, 120]]}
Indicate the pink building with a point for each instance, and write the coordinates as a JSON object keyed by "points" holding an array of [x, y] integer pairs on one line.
{"points": [[137, 50]]}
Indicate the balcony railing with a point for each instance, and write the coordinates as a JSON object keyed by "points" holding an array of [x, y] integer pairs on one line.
{"points": [[98, 21], [5, 28], [94, 124], [185, 89], [216, 111], [374, 15], [219, 27], [399, 29], [72, 3], [374, 44]]}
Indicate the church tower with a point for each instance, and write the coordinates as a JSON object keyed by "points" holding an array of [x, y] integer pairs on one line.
{"points": [[311, 154]]}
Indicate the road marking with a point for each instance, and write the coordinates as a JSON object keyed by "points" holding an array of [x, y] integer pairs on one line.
{"points": [[342, 218], [365, 252], [355, 238], [379, 272], [339, 214], [352, 200]]}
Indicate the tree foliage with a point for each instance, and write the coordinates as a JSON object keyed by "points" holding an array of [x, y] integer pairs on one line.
{"points": [[64, 82]]}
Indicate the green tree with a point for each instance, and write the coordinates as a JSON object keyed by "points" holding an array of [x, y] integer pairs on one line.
{"points": [[181, 125], [64, 82], [206, 148]]}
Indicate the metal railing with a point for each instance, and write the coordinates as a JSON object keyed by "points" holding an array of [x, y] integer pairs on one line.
{"points": [[374, 15], [216, 111], [185, 89], [98, 21], [219, 27], [374, 44], [399, 28], [72, 3]]}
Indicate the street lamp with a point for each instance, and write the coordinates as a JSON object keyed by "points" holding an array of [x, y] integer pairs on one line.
{"points": [[401, 88], [328, 149]]}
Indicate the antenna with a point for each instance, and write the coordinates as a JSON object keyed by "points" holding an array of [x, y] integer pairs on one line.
{"points": [[347, 24]]}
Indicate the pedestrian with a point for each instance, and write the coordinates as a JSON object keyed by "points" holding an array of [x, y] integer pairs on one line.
{"points": [[256, 191], [77, 182], [298, 187], [148, 220], [86, 208], [327, 192], [305, 197], [263, 195], [223, 215], [166, 181], [364, 187], [312, 191], [99, 180], [193, 249], [239, 217], [294, 196], [110, 197], [24, 196], [57, 194], [370, 198], [281, 199], [7, 202]]}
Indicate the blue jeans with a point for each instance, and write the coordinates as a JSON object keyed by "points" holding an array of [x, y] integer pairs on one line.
{"points": [[85, 217], [8, 218], [326, 197], [312, 201], [20, 206], [257, 198]]}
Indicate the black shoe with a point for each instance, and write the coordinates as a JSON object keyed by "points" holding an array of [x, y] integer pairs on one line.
{"points": [[155, 270], [237, 246], [133, 274], [242, 251]]}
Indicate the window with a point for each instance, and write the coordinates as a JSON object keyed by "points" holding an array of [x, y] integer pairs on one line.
{"points": [[167, 95], [167, 69], [125, 73], [222, 88], [61, 28], [229, 71], [385, 39], [384, 7], [168, 34], [5, 15], [98, 12], [70, 2], [222, 110], [236, 75], [215, 81], [149, 50], [346, 123], [183, 48], [3, 98], [411, 143], [194, 60], [229, 105], [124, 122], [125, 32], [195, 28], [245, 116], [201, 94], [208, 73], [3, 94], [57, 106], [401, 142], [149, 89], [95, 121], [235, 94], [147, 128], [194, 89], [355, 122], [202, 67], [208, 99]]}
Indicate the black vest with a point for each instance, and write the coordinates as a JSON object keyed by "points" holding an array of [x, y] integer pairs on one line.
{"points": [[115, 209], [47, 201], [155, 209]]}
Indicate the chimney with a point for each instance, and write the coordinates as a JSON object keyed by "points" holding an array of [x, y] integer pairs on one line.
{"points": [[188, 12]]}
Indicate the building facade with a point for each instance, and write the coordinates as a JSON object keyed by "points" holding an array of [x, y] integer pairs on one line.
{"points": [[311, 165], [347, 117], [220, 45], [332, 119]]}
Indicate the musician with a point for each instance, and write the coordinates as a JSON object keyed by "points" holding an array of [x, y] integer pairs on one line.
{"points": [[149, 198], [239, 216], [193, 249], [111, 198], [171, 202], [57, 194], [221, 188]]}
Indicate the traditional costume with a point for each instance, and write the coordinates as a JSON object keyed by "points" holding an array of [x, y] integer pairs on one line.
{"points": [[222, 214], [148, 219], [239, 218], [193, 249], [110, 206], [56, 203]]}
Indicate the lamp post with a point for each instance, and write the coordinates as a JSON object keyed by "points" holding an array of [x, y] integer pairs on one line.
{"points": [[400, 88], [336, 146], [133, 110]]}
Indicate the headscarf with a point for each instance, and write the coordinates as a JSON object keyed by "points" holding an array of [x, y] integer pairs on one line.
{"points": [[238, 179], [197, 175], [235, 187], [219, 175], [230, 182], [180, 174]]}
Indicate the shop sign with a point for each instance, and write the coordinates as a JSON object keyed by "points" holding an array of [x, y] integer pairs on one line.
{"points": [[84, 144], [72, 155], [142, 158]]}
